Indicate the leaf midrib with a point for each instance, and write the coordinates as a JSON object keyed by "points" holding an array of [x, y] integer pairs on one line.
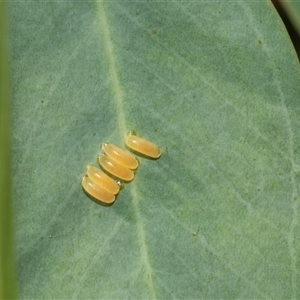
{"points": [[118, 96]]}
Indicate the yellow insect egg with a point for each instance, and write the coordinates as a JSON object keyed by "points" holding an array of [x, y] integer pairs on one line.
{"points": [[120, 156], [114, 168], [96, 191], [142, 146], [100, 178]]}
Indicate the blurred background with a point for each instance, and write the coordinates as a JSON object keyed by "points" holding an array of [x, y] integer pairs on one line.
{"points": [[290, 14]]}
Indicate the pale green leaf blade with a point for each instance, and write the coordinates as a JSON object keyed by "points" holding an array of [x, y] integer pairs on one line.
{"points": [[216, 86]]}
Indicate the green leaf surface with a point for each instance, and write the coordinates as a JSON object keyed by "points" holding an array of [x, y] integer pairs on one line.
{"points": [[216, 86], [292, 8]]}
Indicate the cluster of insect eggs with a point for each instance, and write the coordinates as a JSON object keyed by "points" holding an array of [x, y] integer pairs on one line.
{"points": [[119, 164]]}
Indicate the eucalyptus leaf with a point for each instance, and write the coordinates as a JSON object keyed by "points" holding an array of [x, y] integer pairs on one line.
{"points": [[216, 86]]}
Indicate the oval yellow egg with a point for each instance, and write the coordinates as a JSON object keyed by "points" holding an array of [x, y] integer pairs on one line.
{"points": [[96, 191], [120, 156], [116, 169], [142, 146], [100, 178]]}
